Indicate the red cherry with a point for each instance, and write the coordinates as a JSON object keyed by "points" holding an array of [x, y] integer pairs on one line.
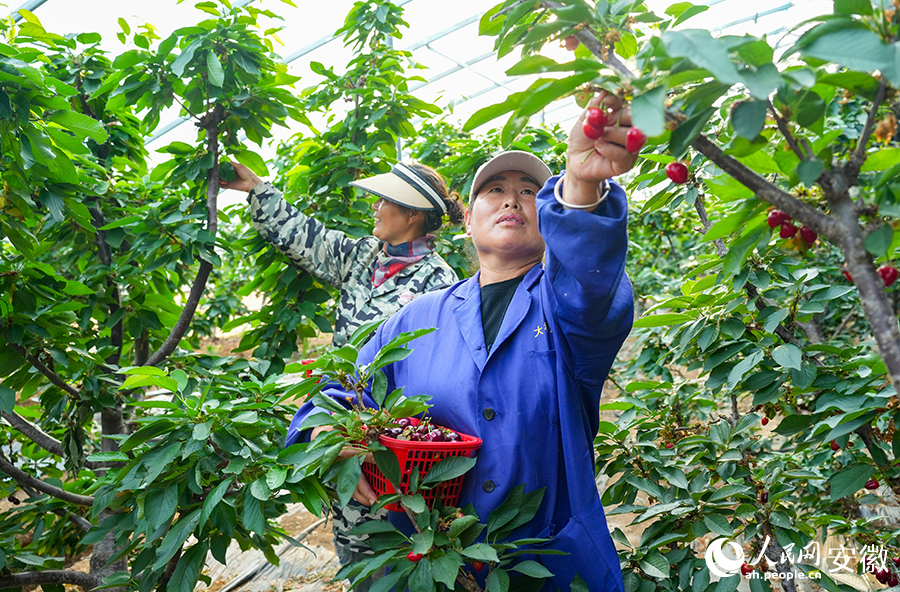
{"points": [[634, 140], [882, 575], [893, 580], [305, 362], [596, 118], [788, 230], [669, 445], [835, 446], [571, 43], [851, 444], [764, 421], [478, 565], [872, 484], [889, 274], [848, 276], [896, 561], [809, 235], [591, 132], [776, 217], [746, 570], [414, 557], [677, 172], [764, 497]]}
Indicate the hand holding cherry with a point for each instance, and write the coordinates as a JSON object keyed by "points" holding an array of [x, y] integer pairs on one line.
{"points": [[599, 145]]}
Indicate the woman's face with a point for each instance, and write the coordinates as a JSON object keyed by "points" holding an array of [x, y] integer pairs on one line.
{"points": [[395, 226], [503, 220]]}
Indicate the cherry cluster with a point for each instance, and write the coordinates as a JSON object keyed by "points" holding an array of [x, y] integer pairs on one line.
{"points": [[782, 219], [884, 574], [424, 431], [888, 274], [595, 123]]}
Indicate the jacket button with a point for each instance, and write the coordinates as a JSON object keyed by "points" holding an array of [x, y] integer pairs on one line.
{"points": [[488, 486], [488, 414]]}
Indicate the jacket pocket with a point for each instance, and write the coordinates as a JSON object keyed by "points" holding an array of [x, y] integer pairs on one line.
{"points": [[591, 555], [543, 371]]}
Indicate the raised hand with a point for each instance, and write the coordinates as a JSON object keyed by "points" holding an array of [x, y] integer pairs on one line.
{"points": [[245, 180], [602, 154]]}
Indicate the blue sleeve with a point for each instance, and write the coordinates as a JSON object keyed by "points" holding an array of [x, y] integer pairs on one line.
{"points": [[333, 390], [585, 283]]}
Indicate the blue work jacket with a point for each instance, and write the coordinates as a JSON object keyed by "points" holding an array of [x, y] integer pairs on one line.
{"points": [[534, 398]]}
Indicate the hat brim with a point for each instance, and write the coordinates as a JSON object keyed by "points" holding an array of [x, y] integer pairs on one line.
{"points": [[393, 188], [512, 160]]}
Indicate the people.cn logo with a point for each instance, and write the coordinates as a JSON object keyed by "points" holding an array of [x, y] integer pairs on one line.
{"points": [[722, 562]]}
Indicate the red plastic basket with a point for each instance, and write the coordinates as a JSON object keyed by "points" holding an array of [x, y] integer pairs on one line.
{"points": [[423, 455]]}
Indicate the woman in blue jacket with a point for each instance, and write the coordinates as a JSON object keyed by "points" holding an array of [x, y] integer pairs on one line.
{"points": [[523, 347]]}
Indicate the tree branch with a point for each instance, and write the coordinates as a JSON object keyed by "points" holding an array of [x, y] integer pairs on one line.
{"points": [[53, 376], [700, 206], [34, 433], [781, 330], [872, 296], [116, 331], [859, 155], [786, 132], [810, 216], [51, 576], [25, 479], [75, 519], [39, 437], [211, 123]]}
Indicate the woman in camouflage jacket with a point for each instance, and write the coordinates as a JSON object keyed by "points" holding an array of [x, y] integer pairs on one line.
{"points": [[376, 275]]}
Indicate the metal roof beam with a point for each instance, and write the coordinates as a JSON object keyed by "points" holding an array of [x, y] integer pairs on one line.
{"points": [[30, 5]]}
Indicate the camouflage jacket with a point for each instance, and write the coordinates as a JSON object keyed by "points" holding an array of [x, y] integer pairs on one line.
{"points": [[343, 262]]}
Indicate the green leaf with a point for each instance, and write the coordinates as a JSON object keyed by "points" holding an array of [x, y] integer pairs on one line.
{"points": [[107, 456], [849, 480], [175, 538], [481, 552], [461, 524], [882, 159], [184, 58], [348, 478], [748, 118], [276, 477], [7, 399], [252, 161], [74, 288], [445, 568], [252, 515], [879, 240], [788, 356], [740, 250], [855, 48], [139, 380], [214, 70], [662, 320], [212, 500], [718, 524], [533, 569], [648, 111], [655, 565], [387, 463], [702, 49], [861, 7], [80, 125], [498, 581], [446, 469], [809, 170], [187, 571], [685, 134]]}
